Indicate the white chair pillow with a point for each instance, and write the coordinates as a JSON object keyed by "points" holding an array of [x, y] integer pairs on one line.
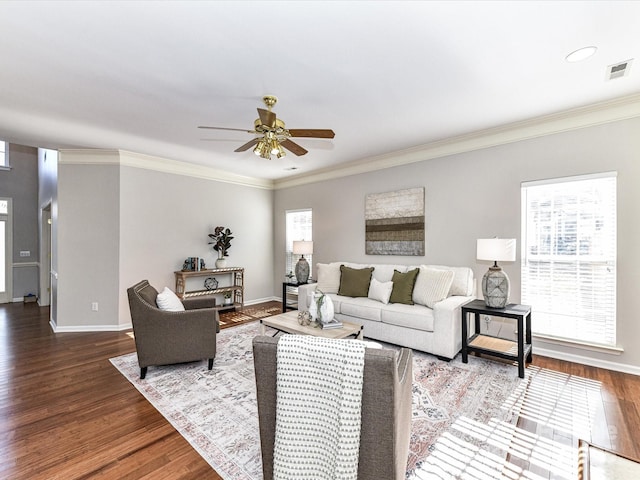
{"points": [[380, 291], [432, 286], [169, 301]]}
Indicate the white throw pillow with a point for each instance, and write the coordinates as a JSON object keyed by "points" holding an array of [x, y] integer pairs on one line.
{"points": [[380, 291], [432, 286], [328, 277], [169, 301]]}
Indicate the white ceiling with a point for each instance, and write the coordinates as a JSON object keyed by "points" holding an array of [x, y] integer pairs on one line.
{"points": [[385, 76]]}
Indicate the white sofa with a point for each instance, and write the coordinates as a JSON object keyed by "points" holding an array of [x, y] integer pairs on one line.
{"points": [[435, 330]]}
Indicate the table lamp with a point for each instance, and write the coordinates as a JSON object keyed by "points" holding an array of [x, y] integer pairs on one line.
{"points": [[495, 283], [302, 267]]}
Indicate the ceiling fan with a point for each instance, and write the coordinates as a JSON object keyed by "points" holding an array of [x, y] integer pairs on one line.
{"points": [[272, 135]]}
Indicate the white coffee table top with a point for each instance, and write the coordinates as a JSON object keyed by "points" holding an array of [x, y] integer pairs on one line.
{"points": [[288, 322]]}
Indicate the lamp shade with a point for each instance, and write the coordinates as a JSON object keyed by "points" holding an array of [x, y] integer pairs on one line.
{"points": [[496, 249], [302, 247]]}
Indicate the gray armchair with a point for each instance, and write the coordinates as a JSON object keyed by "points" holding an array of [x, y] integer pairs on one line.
{"points": [[386, 409], [164, 338]]}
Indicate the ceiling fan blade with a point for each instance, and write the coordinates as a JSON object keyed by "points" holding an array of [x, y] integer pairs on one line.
{"points": [[293, 147], [232, 129], [312, 132], [267, 118], [247, 145]]}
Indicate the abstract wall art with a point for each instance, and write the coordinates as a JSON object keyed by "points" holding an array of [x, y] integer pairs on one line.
{"points": [[394, 222]]}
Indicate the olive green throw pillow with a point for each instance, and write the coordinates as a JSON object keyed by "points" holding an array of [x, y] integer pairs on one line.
{"points": [[403, 286], [354, 282]]}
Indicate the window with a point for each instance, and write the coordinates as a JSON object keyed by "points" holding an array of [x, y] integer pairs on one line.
{"points": [[298, 228], [569, 257], [4, 155]]}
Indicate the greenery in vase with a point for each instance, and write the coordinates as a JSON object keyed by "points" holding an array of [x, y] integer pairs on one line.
{"points": [[221, 241], [319, 303]]}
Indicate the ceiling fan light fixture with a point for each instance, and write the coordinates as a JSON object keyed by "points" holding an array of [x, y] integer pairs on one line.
{"points": [[281, 153], [260, 147], [275, 147]]}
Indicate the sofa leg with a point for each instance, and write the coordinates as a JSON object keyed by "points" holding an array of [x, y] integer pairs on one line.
{"points": [[444, 359], [210, 363], [143, 373]]}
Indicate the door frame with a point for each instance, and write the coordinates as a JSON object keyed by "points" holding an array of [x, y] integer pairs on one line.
{"points": [[7, 295]]}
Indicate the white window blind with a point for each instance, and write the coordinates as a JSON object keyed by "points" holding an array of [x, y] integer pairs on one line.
{"points": [[298, 224], [569, 257]]}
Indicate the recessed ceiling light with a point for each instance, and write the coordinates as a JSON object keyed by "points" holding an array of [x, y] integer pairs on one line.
{"points": [[581, 54]]}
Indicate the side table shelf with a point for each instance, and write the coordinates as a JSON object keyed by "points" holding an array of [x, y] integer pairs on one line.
{"points": [[235, 284], [519, 351]]}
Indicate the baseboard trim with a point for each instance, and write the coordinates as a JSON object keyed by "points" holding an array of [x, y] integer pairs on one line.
{"points": [[90, 328], [592, 362], [262, 300]]}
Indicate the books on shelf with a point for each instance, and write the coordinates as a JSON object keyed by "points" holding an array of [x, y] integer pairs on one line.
{"points": [[332, 324]]}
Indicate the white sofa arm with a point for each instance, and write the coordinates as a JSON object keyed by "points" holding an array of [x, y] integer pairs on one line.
{"points": [[447, 327], [304, 291]]}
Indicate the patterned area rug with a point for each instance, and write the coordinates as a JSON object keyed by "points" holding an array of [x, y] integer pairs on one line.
{"points": [[216, 410]]}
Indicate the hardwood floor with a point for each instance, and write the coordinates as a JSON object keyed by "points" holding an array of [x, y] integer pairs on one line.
{"points": [[67, 413]]}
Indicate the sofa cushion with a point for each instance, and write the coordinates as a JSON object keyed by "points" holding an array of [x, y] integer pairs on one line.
{"points": [[354, 282], [432, 286], [169, 301], [417, 317], [361, 308], [380, 291], [403, 284], [328, 277], [462, 280]]}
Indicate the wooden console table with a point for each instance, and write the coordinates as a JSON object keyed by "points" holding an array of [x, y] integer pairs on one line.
{"points": [[234, 285]]}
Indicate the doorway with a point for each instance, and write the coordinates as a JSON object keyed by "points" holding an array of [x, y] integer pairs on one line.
{"points": [[6, 251], [46, 268]]}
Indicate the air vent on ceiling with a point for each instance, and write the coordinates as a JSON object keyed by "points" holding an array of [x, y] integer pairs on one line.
{"points": [[619, 69]]}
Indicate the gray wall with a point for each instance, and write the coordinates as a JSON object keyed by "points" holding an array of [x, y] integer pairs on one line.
{"points": [[166, 218], [21, 184], [88, 233], [118, 224], [477, 195]]}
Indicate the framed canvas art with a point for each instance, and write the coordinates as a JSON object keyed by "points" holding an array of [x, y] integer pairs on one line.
{"points": [[394, 222]]}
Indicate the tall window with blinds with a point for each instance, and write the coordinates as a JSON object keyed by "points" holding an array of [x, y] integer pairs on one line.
{"points": [[298, 224], [569, 257]]}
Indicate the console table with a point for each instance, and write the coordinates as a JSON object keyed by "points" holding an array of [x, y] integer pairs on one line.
{"points": [[498, 347], [233, 282]]}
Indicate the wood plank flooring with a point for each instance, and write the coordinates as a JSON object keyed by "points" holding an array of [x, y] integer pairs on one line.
{"points": [[67, 413]]}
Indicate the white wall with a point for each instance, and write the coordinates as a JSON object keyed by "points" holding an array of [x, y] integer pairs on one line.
{"points": [[476, 195]]}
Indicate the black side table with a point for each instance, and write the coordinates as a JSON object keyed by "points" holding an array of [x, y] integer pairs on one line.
{"points": [[498, 347], [285, 285]]}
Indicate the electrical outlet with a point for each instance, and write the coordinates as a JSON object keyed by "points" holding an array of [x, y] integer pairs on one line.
{"points": [[94, 307], [25, 253]]}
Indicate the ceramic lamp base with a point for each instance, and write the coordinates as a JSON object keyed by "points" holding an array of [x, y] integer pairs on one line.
{"points": [[302, 270], [495, 288]]}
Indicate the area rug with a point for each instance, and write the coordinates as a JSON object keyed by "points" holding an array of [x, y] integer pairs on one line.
{"points": [[216, 410]]}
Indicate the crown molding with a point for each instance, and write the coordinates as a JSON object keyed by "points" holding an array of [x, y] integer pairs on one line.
{"points": [[158, 164], [622, 108]]}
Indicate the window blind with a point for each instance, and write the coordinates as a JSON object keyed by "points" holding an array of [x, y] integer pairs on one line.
{"points": [[299, 227], [569, 257]]}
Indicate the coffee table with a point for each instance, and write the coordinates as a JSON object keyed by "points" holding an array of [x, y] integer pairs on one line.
{"points": [[288, 323]]}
